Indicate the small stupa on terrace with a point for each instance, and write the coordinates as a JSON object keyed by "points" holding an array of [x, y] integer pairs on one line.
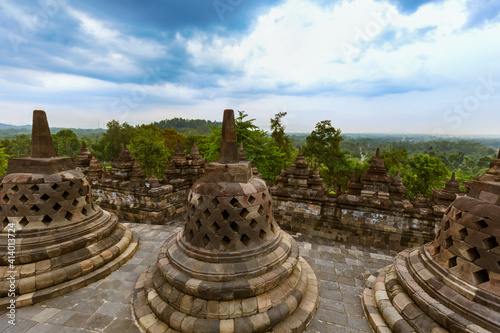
{"points": [[63, 241], [300, 176], [232, 269]]}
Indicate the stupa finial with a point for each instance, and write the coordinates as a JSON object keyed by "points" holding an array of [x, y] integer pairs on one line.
{"points": [[229, 147], [41, 140]]}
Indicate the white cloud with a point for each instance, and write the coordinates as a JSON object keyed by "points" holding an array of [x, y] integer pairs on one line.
{"points": [[302, 44], [31, 81]]}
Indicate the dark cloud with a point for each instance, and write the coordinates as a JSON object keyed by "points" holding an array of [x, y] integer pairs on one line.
{"points": [[181, 15], [54, 42]]}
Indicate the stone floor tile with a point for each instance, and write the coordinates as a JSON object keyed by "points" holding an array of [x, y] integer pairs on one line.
{"points": [[29, 311], [125, 312], [110, 308], [65, 302], [109, 284], [4, 323], [328, 285], [49, 328], [359, 323], [333, 317], [121, 296], [97, 322], [316, 326], [127, 268], [347, 280], [77, 320], [126, 285], [333, 328], [354, 309], [61, 317], [87, 306], [331, 295], [21, 326], [133, 276], [329, 304], [122, 326], [44, 315], [119, 275]]}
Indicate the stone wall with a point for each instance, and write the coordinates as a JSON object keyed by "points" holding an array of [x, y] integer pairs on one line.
{"points": [[375, 212], [356, 224], [157, 205]]}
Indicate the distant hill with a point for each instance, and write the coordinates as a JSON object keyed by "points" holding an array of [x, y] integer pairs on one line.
{"points": [[479, 145], [188, 126], [8, 131], [8, 126]]}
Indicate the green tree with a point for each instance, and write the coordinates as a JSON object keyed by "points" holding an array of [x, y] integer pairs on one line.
{"points": [[188, 126], [210, 147], [259, 147], [395, 160], [4, 158], [111, 143], [20, 145], [170, 138], [484, 162], [147, 147], [323, 147], [5, 143], [423, 173], [278, 134], [66, 143]]}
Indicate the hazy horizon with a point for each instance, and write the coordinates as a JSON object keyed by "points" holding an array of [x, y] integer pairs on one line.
{"points": [[495, 135]]}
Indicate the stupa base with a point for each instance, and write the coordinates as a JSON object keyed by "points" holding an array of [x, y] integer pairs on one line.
{"points": [[413, 295], [253, 314], [74, 276]]}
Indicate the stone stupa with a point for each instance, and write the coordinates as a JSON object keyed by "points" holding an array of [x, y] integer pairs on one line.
{"points": [[63, 241], [232, 269], [451, 284]]}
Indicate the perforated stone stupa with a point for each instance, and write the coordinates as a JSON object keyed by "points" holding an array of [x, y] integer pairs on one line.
{"points": [[232, 269], [63, 241], [453, 283]]}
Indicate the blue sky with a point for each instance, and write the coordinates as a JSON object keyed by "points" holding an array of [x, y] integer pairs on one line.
{"points": [[396, 66]]}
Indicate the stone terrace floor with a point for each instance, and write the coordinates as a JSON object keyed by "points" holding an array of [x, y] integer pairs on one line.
{"points": [[105, 306]]}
